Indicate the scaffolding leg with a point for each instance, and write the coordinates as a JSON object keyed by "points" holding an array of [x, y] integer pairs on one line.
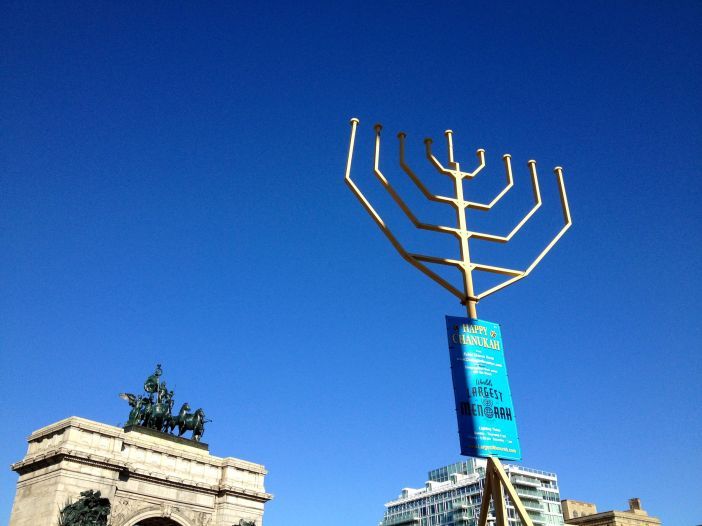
{"points": [[496, 484]]}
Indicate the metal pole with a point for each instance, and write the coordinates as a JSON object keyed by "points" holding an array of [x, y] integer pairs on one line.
{"points": [[460, 204]]}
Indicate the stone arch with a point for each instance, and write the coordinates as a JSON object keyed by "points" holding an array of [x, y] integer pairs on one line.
{"points": [[158, 518], [157, 521]]}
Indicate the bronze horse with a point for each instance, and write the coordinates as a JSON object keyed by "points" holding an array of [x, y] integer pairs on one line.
{"points": [[174, 421], [194, 422]]}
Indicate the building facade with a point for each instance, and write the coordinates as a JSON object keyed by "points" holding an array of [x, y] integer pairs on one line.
{"points": [[452, 496], [150, 478], [576, 508], [575, 514]]}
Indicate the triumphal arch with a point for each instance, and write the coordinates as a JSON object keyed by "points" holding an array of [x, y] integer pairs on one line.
{"points": [[81, 472]]}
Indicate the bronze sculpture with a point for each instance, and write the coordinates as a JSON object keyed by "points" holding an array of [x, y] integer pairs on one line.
{"points": [[156, 413], [90, 510]]}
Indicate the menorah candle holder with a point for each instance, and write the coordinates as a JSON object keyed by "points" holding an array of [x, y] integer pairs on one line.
{"points": [[466, 294]]}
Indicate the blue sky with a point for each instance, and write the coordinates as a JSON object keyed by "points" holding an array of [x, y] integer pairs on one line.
{"points": [[172, 191]]}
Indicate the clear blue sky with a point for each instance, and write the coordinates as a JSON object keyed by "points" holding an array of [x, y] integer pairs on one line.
{"points": [[172, 191]]}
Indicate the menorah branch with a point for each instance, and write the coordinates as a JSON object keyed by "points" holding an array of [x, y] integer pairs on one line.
{"points": [[537, 205], [381, 224], [456, 173], [518, 275], [438, 261], [416, 180], [396, 197], [510, 183], [432, 158], [497, 270]]}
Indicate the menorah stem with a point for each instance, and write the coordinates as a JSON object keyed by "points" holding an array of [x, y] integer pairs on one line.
{"points": [[472, 310], [470, 302], [466, 270]]}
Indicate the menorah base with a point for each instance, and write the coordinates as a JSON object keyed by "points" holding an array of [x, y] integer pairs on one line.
{"points": [[496, 482]]}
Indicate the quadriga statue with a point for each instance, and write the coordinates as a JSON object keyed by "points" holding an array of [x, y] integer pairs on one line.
{"points": [[154, 410]]}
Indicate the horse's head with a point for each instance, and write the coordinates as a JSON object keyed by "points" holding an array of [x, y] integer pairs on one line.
{"points": [[185, 407]]}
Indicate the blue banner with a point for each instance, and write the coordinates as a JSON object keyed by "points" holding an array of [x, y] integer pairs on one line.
{"points": [[486, 423]]}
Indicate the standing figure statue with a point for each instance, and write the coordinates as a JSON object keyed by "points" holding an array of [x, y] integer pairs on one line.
{"points": [[151, 384], [169, 417], [162, 393]]}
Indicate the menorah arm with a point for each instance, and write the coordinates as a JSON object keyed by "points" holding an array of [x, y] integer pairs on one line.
{"points": [[416, 180], [510, 183], [456, 172], [438, 261], [517, 274], [537, 205], [396, 197], [439, 167], [381, 224], [496, 270]]}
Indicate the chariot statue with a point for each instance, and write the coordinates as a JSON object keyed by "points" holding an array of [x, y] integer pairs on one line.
{"points": [[154, 410]]}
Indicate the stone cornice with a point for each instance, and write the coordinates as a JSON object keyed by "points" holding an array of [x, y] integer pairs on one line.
{"points": [[133, 439], [58, 454], [77, 422], [215, 489]]}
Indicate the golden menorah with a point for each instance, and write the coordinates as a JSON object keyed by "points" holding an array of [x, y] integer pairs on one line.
{"points": [[465, 265], [497, 482]]}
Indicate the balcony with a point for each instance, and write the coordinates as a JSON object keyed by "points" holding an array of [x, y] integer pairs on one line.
{"points": [[527, 482], [402, 520], [536, 518], [523, 492], [462, 505]]}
